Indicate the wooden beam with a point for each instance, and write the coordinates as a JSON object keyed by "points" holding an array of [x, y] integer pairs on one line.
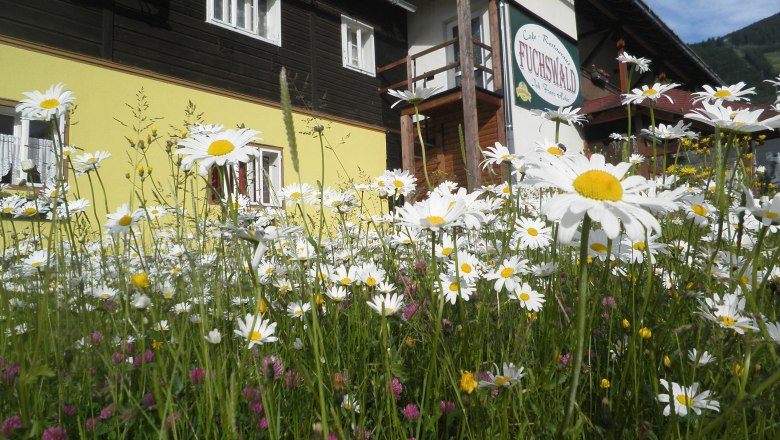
{"points": [[469, 90], [495, 43], [407, 144]]}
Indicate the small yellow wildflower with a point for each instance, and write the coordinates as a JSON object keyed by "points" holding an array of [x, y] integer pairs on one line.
{"points": [[604, 385], [467, 382], [140, 280], [626, 324], [667, 362], [645, 333]]}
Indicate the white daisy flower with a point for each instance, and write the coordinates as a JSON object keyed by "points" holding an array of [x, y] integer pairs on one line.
{"points": [[297, 309], [700, 358], [256, 330], [505, 378], [53, 102], [221, 148], [454, 287], [641, 65], [603, 192], [387, 304], [416, 97], [682, 399], [529, 298], [532, 233], [719, 94], [506, 275], [653, 93]]}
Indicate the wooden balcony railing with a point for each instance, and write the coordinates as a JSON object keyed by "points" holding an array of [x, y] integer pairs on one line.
{"points": [[409, 62]]}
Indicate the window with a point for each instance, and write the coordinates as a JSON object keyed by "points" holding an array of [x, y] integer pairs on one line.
{"points": [[260, 180], [357, 46], [257, 18], [22, 140]]}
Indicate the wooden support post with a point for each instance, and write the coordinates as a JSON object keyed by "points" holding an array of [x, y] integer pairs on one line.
{"points": [[468, 87], [407, 144], [495, 46]]}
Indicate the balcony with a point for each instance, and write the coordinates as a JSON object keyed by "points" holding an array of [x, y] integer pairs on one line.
{"points": [[442, 114]]}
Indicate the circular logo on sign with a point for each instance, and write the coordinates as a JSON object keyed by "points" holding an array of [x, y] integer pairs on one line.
{"points": [[547, 66]]}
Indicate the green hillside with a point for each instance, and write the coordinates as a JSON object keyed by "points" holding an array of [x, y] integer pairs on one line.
{"points": [[751, 54]]}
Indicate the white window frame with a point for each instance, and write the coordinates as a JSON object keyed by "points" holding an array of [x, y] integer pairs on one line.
{"points": [[364, 42], [19, 147], [271, 16], [263, 187]]}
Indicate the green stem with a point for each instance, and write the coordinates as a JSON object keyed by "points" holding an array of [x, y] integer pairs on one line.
{"points": [[422, 147], [581, 319]]}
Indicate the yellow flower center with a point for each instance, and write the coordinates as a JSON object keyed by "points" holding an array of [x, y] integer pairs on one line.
{"points": [[728, 321], [92, 160], [30, 211], [507, 272], [389, 310], [555, 151], [7, 209], [723, 93], [744, 280], [770, 214], [699, 210], [524, 296], [125, 221], [104, 296], [346, 280], [532, 232], [220, 147], [684, 400], [501, 380], [295, 195], [598, 185], [298, 312], [650, 92], [255, 336], [454, 287], [435, 220], [446, 251], [371, 281], [598, 247], [639, 246], [398, 183], [465, 268], [36, 264], [506, 190], [50, 103]]}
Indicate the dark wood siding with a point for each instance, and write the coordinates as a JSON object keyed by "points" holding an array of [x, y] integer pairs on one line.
{"points": [[72, 25], [172, 37]]}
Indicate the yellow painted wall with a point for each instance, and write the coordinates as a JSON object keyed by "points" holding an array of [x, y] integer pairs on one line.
{"points": [[101, 94]]}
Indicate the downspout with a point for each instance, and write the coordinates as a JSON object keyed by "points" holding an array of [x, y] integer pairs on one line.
{"points": [[506, 61]]}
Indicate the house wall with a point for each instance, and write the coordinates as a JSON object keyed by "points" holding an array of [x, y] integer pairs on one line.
{"points": [[102, 89], [172, 38]]}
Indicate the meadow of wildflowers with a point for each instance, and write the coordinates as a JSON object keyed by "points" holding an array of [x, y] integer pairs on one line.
{"points": [[574, 299]]}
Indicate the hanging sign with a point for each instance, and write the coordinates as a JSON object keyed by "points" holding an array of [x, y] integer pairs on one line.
{"points": [[545, 66]]}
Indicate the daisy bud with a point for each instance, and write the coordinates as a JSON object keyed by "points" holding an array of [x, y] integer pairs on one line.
{"points": [[28, 166]]}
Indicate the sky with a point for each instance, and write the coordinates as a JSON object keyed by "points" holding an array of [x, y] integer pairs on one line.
{"points": [[696, 20]]}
